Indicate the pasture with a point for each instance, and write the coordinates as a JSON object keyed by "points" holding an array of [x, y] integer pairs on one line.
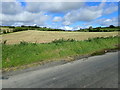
{"points": [[34, 36]]}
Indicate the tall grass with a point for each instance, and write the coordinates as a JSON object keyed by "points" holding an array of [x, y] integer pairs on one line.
{"points": [[0, 55], [27, 53]]}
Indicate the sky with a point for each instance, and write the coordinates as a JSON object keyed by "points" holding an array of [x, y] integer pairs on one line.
{"points": [[62, 15]]}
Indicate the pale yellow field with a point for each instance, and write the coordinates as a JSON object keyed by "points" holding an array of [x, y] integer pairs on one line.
{"points": [[48, 36]]}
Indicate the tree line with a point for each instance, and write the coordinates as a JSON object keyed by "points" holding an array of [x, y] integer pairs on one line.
{"points": [[9, 29]]}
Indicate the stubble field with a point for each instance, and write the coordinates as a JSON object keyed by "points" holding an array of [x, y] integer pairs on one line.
{"points": [[48, 36]]}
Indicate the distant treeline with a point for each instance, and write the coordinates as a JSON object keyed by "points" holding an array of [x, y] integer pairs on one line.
{"points": [[111, 28], [9, 29]]}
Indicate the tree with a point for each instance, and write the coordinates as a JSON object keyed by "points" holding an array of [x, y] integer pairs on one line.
{"points": [[98, 29], [90, 28], [112, 26], [22, 26]]}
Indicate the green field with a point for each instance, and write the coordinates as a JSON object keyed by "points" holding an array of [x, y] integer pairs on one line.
{"points": [[25, 53]]}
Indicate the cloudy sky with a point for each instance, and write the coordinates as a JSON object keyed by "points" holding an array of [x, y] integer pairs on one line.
{"points": [[63, 15]]}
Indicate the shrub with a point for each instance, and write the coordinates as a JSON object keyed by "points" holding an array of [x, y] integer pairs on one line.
{"points": [[4, 32], [23, 43], [5, 41], [63, 40], [18, 29]]}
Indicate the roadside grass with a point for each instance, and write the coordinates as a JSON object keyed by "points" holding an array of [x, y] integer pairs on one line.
{"points": [[0, 55], [27, 53]]}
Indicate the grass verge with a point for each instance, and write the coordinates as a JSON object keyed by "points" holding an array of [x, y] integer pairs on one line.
{"points": [[27, 53]]}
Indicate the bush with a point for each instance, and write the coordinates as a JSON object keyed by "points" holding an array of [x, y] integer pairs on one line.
{"points": [[18, 29], [4, 32], [63, 40], [5, 41], [23, 43]]}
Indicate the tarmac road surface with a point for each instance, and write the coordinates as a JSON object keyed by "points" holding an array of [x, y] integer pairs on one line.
{"points": [[93, 72]]}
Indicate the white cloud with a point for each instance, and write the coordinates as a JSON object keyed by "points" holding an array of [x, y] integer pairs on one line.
{"points": [[33, 7], [88, 13], [11, 8], [57, 19], [77, 27], [35, 13], [83, 14], [13, 12], [70, 28], [104, 21], [107, 22], [111, 8], [66, 23], [53, 6], [66, 28], [25, 18]]}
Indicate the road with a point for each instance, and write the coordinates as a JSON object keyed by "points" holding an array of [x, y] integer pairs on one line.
{"points": [[93, 72]]}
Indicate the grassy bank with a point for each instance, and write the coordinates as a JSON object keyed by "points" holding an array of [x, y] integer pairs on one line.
{"points": [[27, 53]]}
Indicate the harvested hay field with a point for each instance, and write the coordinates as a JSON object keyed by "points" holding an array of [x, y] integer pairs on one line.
{"points": [[48, 36]]}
